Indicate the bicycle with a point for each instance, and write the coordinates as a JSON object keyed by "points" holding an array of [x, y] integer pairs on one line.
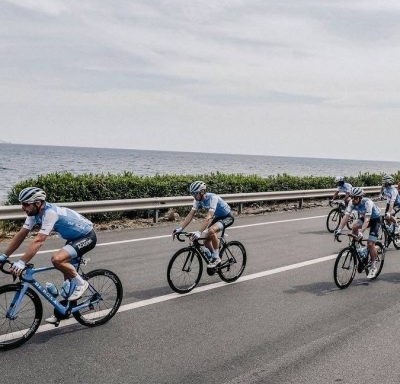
{"points": [[186, 267], [21, 308], [355, 257], [389, 236], [335, 216]]}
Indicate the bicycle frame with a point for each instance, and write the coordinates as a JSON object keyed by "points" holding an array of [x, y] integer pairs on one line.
{"points": [[28, 280]]}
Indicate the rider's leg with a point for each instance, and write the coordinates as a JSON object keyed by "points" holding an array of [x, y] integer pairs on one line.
{"points": [[372, 250], [61, 259], [212, 237], [374, 226]]}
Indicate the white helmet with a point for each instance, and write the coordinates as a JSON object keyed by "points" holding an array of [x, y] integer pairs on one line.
{"points": [[387, 179], [339, 179], [196, 187], [31, 195], [356, 192]]}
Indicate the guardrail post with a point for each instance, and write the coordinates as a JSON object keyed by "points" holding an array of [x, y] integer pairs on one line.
{"points": [[155, 216], [300, 203]]}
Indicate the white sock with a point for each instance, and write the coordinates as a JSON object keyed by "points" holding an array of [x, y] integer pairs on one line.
{"points": [[78, 280], [215, 254]]}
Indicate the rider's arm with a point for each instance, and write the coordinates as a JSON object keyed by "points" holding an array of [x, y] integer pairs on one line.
{"points": [[344, 220], [365, 223], [335, 195], [16, 241], [346, 216], [207, 220], [188, 218], [393, 198], [34, 247]]}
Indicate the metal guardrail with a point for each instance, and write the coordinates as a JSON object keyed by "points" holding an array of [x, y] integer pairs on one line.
{"points": [[13, 212]]}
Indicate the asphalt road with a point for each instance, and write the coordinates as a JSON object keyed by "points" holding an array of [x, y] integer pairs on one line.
{"points": [[283, 322]]}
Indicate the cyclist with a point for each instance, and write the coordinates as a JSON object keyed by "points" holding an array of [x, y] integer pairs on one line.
{"points": [[70, 225], [368, 217], [218, 217], [342, 188], [391, 193]]}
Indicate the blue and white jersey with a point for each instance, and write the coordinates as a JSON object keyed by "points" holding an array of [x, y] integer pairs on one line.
{"points": [[345, 188], [365, 208], [70, 225], [213, 202], [392, 195]]}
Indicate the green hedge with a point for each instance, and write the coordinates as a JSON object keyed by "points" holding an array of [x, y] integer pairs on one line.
{"points": [[66, 187]]}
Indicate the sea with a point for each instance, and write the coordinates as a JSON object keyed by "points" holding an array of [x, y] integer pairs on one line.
{"points": [[20, 162]]}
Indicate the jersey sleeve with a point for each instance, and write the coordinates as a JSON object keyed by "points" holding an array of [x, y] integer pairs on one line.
{"points": [[195, 205], [29, 223], [49, 219], [368, 208], [213, 203]]}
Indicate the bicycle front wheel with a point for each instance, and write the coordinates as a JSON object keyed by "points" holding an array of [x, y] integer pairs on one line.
{"points": [[345, 268], [104, 295], [184, 270], [16, 328], [386, 237], [352, 219], [333, 220], [233, 261], [396, 240]]}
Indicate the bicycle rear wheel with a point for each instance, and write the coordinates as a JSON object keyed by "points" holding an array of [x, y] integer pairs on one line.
{"points": [[345, 268], [184, 270], [333, 220], [17, 329], [233, 261], [105, 295]]}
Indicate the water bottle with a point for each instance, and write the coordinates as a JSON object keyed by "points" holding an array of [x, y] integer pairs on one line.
{"points": [[363, 252], [207, 252], [52, 289], [65, 289]]}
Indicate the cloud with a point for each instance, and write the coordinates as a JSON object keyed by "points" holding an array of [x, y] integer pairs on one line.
{"points": [[48, 7], [237, 64]]}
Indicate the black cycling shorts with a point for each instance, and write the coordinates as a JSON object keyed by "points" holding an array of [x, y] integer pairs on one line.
{"points": [[226, 221], [83, 244]]}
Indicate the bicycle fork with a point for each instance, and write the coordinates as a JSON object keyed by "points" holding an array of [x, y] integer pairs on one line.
{"points": [[15, 305]]}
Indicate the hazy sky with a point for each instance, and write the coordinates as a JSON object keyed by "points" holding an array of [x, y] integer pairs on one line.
{"points": [[318, 78]]}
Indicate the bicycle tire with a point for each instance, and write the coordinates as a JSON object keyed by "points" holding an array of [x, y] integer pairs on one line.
{"points": [[352, 219], [396, 240], [233, 261], [391, 238], [184, 270], [386, 238], [396, 236], [345, 268], [15, 332], [333, 220], [105, 293]]}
